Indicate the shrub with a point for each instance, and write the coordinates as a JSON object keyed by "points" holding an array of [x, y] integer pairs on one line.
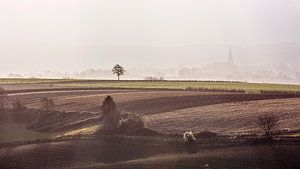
{"points": [[131, 122], [111, 115], [188, 137]]}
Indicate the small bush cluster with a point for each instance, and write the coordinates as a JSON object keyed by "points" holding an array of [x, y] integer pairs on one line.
{"points": [[215, 90], [114, 122], [151, 78], [131, 121]]}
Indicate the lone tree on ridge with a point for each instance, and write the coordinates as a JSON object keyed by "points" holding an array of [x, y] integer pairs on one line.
{"points": [[118, 70]]}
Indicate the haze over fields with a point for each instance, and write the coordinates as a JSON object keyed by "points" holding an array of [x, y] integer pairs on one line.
{"points": [[170, 38]]}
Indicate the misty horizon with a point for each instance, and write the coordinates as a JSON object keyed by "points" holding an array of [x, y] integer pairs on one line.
{"points": [[72, 36]]}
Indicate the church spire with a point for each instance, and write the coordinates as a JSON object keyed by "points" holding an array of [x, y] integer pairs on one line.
{"points": [[230, 58]]}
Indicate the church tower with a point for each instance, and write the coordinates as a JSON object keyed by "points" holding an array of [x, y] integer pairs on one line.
{"points": [[230, 58]]}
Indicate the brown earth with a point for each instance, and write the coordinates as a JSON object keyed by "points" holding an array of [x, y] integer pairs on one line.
{"points": [[137, 101], [164, 110], [99, 154], [227, 118]]}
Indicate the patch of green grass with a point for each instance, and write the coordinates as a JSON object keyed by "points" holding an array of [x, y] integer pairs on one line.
{"points": [[9, 81], [202, 85], [11, 132], [248, 87], [291, 135]]}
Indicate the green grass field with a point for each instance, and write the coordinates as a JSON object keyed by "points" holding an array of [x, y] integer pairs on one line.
{"points": [[211, 85], [11, 132], [193, 85], [8, 81]]}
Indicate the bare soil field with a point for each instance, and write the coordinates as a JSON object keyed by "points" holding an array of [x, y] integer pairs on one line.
{"points": [[165, 111], [227, 118], [137, 101]]}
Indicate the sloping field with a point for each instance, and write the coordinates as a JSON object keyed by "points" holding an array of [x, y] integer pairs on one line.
{"points": [[170, 104], [244, 157], [74, 153], [98, 154], [226, 118], [167, 111], [137, 101], [91, 100], [85, 104], [18, 132]]}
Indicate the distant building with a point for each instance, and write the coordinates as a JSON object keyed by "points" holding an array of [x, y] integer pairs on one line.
{"points": [[222, 70], [153, 78]]}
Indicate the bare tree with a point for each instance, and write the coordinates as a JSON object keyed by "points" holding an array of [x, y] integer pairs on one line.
{"points": [[47, 104], [118, 70], [3, 99], [111, 116], [268, 123]]}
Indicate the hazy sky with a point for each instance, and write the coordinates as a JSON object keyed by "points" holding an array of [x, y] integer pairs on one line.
{"points": [[70, 35]]}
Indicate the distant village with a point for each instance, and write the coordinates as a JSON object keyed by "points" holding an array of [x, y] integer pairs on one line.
{"points": [[223, 71]]}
